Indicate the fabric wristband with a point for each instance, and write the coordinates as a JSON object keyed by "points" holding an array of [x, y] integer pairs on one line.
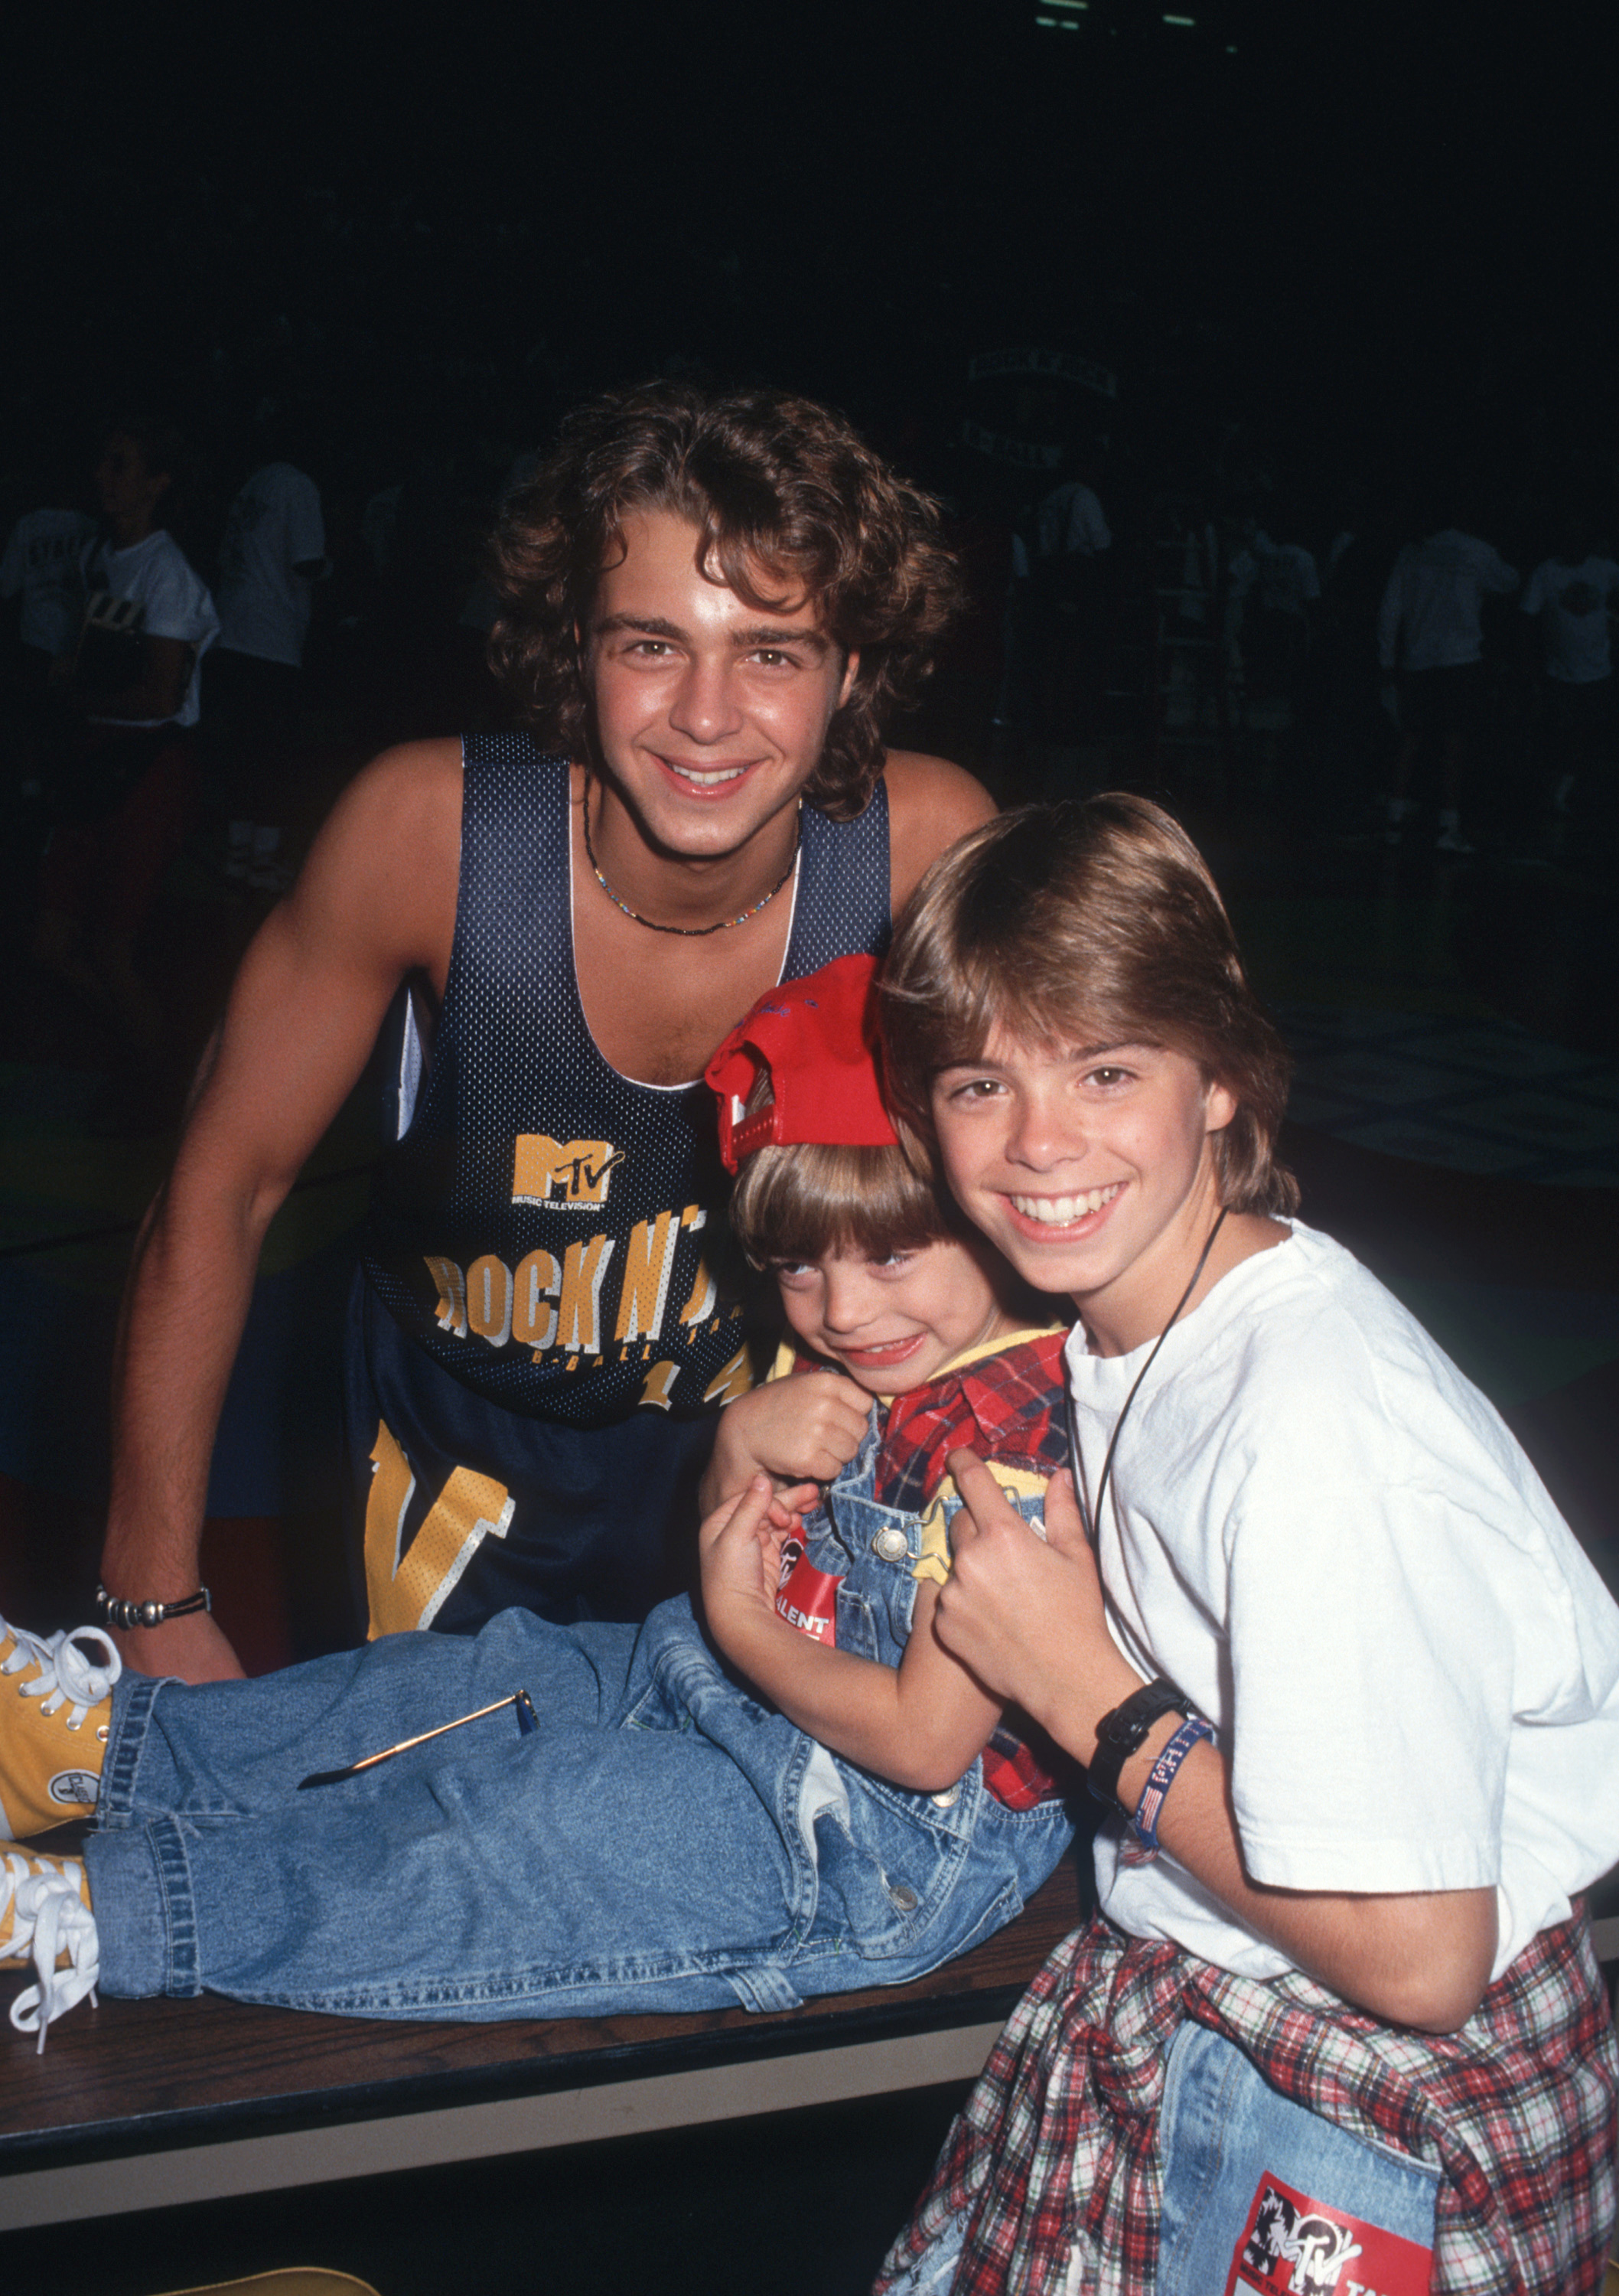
{"points": [[1162, 1776]]}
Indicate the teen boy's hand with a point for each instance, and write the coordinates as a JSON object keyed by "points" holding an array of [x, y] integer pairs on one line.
{"points": [[802, 1429], [1027, 1615], [1028, 1619]]}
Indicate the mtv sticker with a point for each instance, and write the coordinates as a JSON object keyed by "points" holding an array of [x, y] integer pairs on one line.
{"points": [[1292, 2245]]}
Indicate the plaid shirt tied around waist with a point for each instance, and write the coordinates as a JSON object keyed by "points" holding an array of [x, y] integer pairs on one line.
{"points": [[1054, 2160]]}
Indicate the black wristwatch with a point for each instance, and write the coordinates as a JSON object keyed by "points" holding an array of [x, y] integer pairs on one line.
{"points": [[1121, 1732]]}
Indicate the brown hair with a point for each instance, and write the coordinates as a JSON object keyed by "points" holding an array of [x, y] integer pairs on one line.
{"points": [[794, 1199], [1066, 924], [776, 487]]}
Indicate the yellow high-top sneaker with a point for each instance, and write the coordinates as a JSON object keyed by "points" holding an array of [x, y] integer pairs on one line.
{"points": [[46, 1918], [55, 1704]]}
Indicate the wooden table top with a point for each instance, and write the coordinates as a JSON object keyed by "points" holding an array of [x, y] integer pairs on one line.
{"points": [[131, 2074]]}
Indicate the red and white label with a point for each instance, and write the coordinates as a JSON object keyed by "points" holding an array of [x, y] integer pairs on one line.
{"points": [[1295, 2246], [805, 1597]]}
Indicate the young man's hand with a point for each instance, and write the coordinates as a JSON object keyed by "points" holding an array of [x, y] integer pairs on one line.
{"points": [[803, 1429], [1027, 1615]]}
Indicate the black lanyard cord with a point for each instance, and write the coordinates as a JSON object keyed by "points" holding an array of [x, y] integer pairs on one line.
{"points": [[1093, 1529]]}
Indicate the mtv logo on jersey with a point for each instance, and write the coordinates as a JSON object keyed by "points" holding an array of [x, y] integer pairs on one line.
{"points": [[547, 1171]]}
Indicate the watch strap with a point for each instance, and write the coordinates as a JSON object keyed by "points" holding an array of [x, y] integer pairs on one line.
{"points": [[1119, 1732]]}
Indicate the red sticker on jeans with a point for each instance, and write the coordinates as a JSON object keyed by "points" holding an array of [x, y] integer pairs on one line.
{"points": [[805, 1597], [1295, 2246]]}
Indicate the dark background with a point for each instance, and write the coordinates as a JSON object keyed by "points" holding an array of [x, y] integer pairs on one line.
{"points": [[1343, 246], [1368, 233]]}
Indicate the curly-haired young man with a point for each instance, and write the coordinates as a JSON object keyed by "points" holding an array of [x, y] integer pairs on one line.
{"points": [[709, 603]]}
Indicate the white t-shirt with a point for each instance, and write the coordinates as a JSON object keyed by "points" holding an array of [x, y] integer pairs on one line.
{"points": [[1572, 602], [273, 525], [1330, 1541], [1284, 572], [1289, 581], [1429, 617], [1071, 522], [174, 600], [41, 564]]}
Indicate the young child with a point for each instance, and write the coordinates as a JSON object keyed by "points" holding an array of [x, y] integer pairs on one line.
{"points": [[668, 1837], [1347, 1682]]}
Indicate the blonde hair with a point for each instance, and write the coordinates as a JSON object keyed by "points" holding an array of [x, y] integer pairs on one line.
{"points": [[1082, 923]]}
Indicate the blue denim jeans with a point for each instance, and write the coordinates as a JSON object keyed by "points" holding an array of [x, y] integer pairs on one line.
{"points": [[1241, 2166], [664, 1841], [1254, 2183]]}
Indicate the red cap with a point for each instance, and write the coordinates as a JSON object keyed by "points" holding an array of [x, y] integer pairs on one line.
{"points": [[817, 1041]]}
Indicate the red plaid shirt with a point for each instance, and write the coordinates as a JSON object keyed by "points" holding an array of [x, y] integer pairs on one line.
{"points": [[1010, 1406], [1054, 2161]]}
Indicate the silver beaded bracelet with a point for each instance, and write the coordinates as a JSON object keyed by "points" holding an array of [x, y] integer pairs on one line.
{"points": [[124, 1615]]}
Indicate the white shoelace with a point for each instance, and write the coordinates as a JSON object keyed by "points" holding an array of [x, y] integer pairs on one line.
{"points": [[48, 1918], [68, 1677]]}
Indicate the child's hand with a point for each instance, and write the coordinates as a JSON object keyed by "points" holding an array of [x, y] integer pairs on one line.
{"points": [[798, 1430], [740, 1551], [1028, 1616]]}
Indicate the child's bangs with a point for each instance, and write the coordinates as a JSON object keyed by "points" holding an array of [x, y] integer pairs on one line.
{"points": [[796, 1203]]}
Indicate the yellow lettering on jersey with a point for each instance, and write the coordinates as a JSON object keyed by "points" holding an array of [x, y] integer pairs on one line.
{"points": [[489, 1299], [392, 1484], [404, 1595], [545, 1171], [734, 1379], [579, 1319], [658, 1386], [534, 1287], [452, 1289], [704, 1291], [648, 1262]]}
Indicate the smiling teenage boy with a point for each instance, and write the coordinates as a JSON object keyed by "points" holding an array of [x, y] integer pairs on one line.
{"points": [[1337, 1667], [711, 603]]}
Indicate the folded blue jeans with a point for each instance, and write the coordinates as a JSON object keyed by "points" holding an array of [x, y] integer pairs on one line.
{"points": [[664, 1842]]}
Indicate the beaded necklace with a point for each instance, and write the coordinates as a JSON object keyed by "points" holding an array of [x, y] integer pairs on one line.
{"points": [[690, 932]]}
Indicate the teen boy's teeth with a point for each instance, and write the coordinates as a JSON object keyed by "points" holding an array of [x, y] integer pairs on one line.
{"points": [[1061, 1211], [706, 776]]}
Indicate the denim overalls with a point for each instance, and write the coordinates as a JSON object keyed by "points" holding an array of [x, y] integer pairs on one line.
{"points": [[664, 1842]]}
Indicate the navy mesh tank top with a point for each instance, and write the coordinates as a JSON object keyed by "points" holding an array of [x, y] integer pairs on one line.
{"points": [[548, 1230]]}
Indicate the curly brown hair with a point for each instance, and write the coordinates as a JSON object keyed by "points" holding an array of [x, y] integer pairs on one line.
{"points": [[776, 487]]}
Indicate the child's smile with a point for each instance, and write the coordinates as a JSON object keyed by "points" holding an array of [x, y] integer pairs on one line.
{"points": [[892, 1324]]}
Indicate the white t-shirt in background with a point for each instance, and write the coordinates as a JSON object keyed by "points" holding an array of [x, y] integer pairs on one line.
{"points": [[1329, 1539], [175, 603], [1430, 617], [1284, 572], [1572, 602], [1070, 521], [273, 525], [42, 565]]}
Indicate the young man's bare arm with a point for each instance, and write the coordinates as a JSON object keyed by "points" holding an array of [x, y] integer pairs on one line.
{"points": [[375, 901], [931, 803], [1028, 1619], [919, 1724]]}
